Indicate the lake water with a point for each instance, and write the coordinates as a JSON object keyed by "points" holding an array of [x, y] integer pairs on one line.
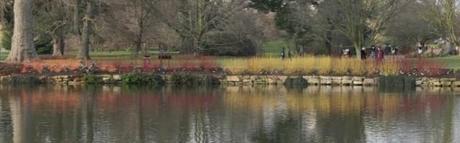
{"points": [[227, 115]]}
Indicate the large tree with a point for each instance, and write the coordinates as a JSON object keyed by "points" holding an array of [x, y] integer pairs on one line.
{"points": [[194, 19], [22, 47], [53, 21], [143, 19], [410, 27], [360, 21], [88, 22], [133, 22], [363, 21], [293, 16], [442, 14]]}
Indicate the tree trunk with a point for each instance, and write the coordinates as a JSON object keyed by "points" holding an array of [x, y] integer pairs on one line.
{"points": [[358, 50], [76, 18], [138, 48], [2, 35], [58, 45], [140, 39], [87, 30], [22, 46], [196, 46], [328, 42]]}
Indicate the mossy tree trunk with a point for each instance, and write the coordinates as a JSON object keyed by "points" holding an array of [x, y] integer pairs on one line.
{"points": [[22, 46], [88, 21], [58, 44]]}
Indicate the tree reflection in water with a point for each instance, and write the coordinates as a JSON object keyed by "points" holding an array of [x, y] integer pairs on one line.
{"points": [[232, 114]]}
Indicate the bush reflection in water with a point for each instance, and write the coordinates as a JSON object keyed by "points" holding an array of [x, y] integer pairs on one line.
{"points": [[231, 114]]}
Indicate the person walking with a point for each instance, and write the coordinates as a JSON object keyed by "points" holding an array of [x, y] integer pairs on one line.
{"points": [[363, 54], [289, 54], [394, 51], [283, 53], [420, 51], [345, 52], [372, 52]]}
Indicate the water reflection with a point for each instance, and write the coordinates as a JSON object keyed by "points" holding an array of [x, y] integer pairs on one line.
{"points": [[233, 114]]}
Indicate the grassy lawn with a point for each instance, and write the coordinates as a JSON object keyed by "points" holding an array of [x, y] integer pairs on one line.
{"points": [[452, 62], [116, 55], [273, 48]]}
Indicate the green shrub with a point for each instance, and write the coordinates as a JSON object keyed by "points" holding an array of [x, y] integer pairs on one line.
{"points": [[6, 39], [183, 79], [194, 80], [137, 78], [131, 78], [43, 44], [24, 80], [91, 79], [296, 82], [396, 83], [211, 80]]}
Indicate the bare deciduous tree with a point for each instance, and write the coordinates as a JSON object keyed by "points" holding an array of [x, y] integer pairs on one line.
{"points": [[52, 19], [442, 15], [362, 21], [193, 19], [87, 30]]}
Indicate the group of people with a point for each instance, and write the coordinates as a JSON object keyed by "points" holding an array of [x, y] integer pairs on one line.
{"points": [[285, 53], [374, 52]]}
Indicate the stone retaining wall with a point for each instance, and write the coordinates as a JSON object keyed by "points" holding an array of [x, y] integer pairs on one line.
{"points": [[438, 82], [237, 80], [251, 80]]}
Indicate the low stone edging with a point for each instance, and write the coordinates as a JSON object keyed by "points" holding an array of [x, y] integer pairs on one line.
{"points": [[237, 80], [437, 82], [246, 80]]}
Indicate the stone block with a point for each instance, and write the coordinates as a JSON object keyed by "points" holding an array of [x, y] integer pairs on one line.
{"points": [[307, 77], [418, 82], [446, 83], [116, 77], [232, 79], [247, 82], [358, 80], [272, 80], [260, 80], [336, 80], [106, 78], [434, 82], [456, 83], [346, 80], [313, 80], [369, 82], [358, 83], [325, 80], [73, 83], [282, 79], [3, 78]]}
